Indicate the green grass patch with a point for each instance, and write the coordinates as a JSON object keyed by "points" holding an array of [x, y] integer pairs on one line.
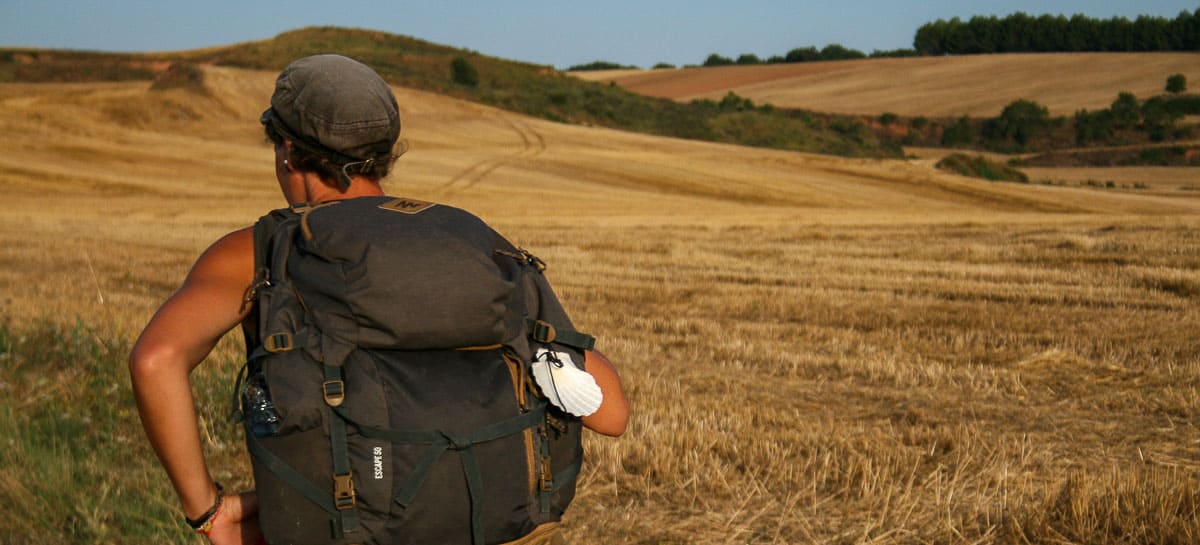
{"points": [[75, 466], [980, 167]]}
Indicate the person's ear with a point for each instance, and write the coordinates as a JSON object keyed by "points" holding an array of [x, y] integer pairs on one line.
{"points": [[287, 155]]}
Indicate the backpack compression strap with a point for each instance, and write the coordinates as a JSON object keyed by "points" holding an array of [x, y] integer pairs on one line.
{"points": [[439, 442], [544, 332]]}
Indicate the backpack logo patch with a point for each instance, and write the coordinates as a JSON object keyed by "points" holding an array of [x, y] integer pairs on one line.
{"points": [[377, 459], [405, 205]]}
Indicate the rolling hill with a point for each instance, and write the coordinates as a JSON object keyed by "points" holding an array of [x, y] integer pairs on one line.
{"points": [[538, 91]]}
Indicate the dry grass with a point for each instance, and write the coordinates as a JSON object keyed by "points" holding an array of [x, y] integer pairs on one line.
{"points": [[818, 350], [975, 85]]}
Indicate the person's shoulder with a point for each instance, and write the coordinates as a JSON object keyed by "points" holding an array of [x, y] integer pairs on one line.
{"points": [[231, 256]]}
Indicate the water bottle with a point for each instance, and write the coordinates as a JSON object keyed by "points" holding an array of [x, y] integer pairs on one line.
{"points": [[260, 411]]}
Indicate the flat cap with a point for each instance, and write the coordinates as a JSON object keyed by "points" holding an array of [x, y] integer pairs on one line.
{"points": [[336, 107]]}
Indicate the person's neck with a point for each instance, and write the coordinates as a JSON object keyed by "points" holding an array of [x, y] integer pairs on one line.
{"points": [[319, 192]]}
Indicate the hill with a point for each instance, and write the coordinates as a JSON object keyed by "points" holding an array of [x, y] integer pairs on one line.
{"points": [[534, 90], [973, 85]]}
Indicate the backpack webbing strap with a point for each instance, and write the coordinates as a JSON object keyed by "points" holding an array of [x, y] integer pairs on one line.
{"points": [[544, 332], [441, 441], [279, 342], [344, 497], [281, 469], [342, 520], [568, 473]]}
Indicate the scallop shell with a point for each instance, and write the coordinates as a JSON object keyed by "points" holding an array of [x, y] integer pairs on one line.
{"points": [[566, 386]]}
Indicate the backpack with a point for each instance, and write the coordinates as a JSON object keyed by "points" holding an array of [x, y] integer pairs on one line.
{"points": [[387, 395]]}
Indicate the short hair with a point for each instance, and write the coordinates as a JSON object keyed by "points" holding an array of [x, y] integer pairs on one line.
{"points": [[331, 171]]}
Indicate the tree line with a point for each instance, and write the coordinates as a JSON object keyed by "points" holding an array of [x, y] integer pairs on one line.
{"points": [[1015, 33], [831, 52], [1025, 125], [1023, 33]]}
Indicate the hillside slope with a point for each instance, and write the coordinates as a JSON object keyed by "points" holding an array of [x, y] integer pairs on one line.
{"points": [[975, 85], [538, 91], [68, 144]]}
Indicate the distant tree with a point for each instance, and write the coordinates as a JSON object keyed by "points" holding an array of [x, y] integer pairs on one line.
{"points": [[1093, 126], [463, 72], [1125, 110], [717, 60], [1158, 119], [1020, 32], [663, 65], [1021, 121], [803, 54], [894, 53], [837, 52], [776, 59], [733, 102], [599, 65], [748, 58], [1176, 84], [958, 134]]}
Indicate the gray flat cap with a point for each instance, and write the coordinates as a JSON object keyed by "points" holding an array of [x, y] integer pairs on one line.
{"points": [[336, 107]]}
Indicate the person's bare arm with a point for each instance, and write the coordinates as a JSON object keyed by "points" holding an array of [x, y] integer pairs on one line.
{"points": [[613, 414], [177, 339]]}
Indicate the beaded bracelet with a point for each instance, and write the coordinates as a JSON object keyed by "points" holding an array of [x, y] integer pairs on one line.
{"points": [[204, 524]]}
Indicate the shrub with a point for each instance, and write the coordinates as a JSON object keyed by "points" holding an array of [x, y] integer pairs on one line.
{"points": [[803, 54], [894, 53], [599, 65], [1157, 119], [1093, 126], [1125, 110], [463, 72], [733, 102], [663, 65], [979, 167], [1176, 84], [717, 60], [837, 52], [958, 134], [888, 118], [1020, 122], [748, 58]]}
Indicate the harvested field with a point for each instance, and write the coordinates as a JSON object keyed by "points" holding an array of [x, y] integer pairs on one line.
{"points": [[817, 350], [974, 85]]}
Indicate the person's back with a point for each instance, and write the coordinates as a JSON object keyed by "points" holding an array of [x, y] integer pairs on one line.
{"points": [[335, 125]]}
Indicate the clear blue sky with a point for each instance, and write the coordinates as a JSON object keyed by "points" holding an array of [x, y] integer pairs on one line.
{"points": [[559, 33]]}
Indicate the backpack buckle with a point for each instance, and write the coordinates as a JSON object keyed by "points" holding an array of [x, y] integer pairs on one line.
{"points": [[542, 332], [279, 342], [343, 492], [334, 392]]}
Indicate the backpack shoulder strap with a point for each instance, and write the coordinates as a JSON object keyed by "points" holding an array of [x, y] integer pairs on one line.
{"points": [[264, 232]]}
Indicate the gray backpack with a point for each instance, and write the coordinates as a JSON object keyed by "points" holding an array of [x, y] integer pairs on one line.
{"points": [[387, 395]]}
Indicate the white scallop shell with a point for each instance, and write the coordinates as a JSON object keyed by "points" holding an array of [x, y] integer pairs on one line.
{"points": [[566, 386]]}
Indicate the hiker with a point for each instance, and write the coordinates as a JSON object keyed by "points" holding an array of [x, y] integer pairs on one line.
{"points": [[334, 125]]}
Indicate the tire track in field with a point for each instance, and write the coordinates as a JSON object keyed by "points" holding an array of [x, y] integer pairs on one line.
{"points": [[532, 145]]}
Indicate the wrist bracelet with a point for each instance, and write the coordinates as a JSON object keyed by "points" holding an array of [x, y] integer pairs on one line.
{"points": [[205, 522]]}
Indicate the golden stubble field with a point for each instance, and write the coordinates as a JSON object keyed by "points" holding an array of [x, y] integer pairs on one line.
{"points": [[818, 350], [974, 85]]}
